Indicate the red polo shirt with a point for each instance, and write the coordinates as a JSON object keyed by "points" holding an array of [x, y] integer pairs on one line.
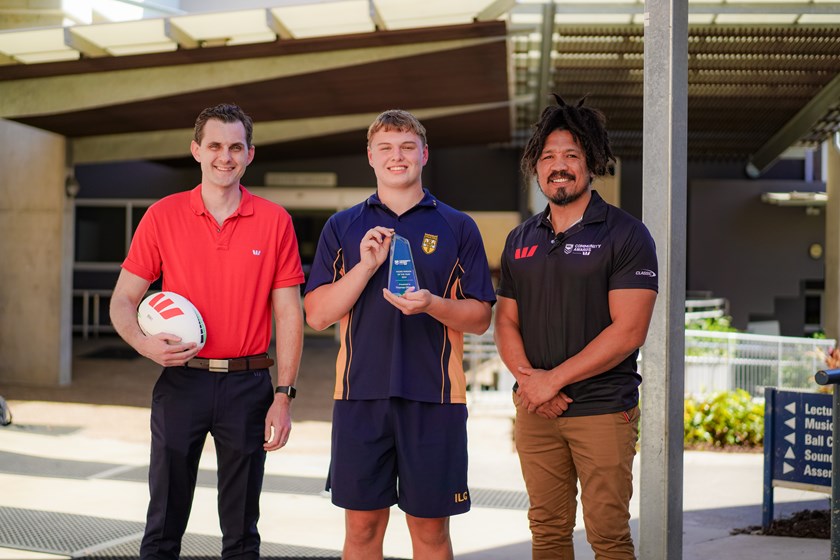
{"points": [[227, 272]]}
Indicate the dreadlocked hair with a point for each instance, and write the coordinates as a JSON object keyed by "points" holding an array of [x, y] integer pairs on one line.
{"points": [[587, 126]]}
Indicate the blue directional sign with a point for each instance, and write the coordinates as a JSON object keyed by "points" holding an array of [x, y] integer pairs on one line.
{"points": [[797, 443], [802, 438]]}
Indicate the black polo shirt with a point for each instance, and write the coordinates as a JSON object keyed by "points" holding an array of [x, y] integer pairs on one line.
{"points": [[561, 285]]}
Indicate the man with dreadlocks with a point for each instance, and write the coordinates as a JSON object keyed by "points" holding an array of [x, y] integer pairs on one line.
{"points": [[575, 299]]}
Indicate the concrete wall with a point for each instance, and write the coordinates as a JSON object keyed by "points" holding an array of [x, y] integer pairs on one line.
{"points": [[753, 253], [739, 248], [831, 305], [34, 215]]}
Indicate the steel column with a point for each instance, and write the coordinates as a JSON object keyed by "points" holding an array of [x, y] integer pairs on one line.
{"points": [[664, 212]]}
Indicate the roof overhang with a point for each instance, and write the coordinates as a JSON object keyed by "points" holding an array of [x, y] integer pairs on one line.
{"points": [[304, 92], [763, 76]]}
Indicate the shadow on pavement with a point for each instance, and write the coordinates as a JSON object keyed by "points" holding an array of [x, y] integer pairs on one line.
{"points": [[106, 371]]}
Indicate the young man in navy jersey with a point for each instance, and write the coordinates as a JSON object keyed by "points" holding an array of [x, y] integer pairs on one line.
{"points": [[576, 295], [399, 420]]}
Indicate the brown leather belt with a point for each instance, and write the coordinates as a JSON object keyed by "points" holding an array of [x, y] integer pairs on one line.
{"points": [[248, 363]]}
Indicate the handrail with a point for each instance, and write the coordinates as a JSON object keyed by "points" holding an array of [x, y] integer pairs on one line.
{"points": [[714, 361]]}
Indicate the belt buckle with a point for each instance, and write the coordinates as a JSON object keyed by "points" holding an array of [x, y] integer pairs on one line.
{"points": [[219, 366]]}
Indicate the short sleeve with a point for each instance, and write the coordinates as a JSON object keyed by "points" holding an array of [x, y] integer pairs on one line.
{"points": [[144, 257], [635, 264], [289, 270], [328, 265], [506, 286], [476, 282]]}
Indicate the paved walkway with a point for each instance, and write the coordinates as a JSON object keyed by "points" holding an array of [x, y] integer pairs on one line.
{"points": [[72, 479]]}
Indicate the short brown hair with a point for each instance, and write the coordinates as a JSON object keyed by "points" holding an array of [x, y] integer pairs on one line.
{"points": [[397, 119], [227, 113]]}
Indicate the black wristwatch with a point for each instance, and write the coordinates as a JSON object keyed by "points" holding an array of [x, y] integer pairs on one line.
{"points": [[288, 389]]}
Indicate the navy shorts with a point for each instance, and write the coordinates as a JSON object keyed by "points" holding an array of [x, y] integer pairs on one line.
{"points": [[396, 451]]}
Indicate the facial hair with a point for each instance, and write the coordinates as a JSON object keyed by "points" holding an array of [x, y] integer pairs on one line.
{"points": [[562, 196]]}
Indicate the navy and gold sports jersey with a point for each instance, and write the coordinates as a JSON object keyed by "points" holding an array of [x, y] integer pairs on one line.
{"points": [[387, 354]]}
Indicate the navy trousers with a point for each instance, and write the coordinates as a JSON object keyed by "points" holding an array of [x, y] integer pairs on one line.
{"points": [[187, 404]]}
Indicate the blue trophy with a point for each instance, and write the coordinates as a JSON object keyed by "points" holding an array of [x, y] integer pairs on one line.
{"points": [[401, 272]]}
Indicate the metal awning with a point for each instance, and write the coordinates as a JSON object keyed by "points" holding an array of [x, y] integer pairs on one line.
{"points": [[762, 76]]}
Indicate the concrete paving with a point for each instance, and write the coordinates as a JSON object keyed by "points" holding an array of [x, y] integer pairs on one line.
{"points": [[78, 451]]}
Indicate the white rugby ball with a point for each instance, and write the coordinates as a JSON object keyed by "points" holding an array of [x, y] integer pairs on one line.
{"points": [[168, 312]]}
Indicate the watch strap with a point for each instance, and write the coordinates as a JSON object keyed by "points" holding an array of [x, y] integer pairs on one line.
{"points": [[287, 389]]}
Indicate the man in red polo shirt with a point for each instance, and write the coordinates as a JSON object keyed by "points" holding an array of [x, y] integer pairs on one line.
{"points": [[235, 257]]}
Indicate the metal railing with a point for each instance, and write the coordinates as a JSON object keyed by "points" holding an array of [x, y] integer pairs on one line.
{"points": [[91, 312], [714, 361], [724, 361], [489, 381]]}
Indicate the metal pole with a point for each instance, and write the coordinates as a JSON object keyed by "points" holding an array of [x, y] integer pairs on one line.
{"points": [[835, 479], [779, 380], [767, 508], [664, 212], [832, 377]]}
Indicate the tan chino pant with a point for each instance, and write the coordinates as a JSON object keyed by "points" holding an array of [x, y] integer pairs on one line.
{"points": [[554, 455]]}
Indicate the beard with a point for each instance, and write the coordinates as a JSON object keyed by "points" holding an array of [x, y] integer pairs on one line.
{"points": [[563, 196]]}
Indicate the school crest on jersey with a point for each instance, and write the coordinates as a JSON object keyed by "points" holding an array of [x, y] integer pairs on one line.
{"points": [[429, 243]]}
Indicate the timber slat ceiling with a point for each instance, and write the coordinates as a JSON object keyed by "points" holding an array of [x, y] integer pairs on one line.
{"points": [[745, 82]]}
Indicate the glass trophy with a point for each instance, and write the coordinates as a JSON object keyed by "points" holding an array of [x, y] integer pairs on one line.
{"points": [[401, 272]]}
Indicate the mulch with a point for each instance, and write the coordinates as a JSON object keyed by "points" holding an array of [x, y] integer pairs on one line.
{"points": [[805, 524]]}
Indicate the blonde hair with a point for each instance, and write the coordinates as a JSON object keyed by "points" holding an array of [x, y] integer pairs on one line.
{"points": [[397, 119]]}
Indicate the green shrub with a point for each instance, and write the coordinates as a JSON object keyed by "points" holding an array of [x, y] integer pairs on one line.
{"points": [[708, 347], [717, 324], [724, 419]]}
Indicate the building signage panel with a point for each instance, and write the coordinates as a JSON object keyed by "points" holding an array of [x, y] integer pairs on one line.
{"points": [[802, 424]]}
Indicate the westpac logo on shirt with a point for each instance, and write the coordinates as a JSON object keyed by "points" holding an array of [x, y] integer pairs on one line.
{"points": [[525, 252]]}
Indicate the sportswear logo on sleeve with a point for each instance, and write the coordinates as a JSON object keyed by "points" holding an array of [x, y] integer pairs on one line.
{"points": [[646, 272], [256, 252], [461, 497], [525, 252], [429, 243]]}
